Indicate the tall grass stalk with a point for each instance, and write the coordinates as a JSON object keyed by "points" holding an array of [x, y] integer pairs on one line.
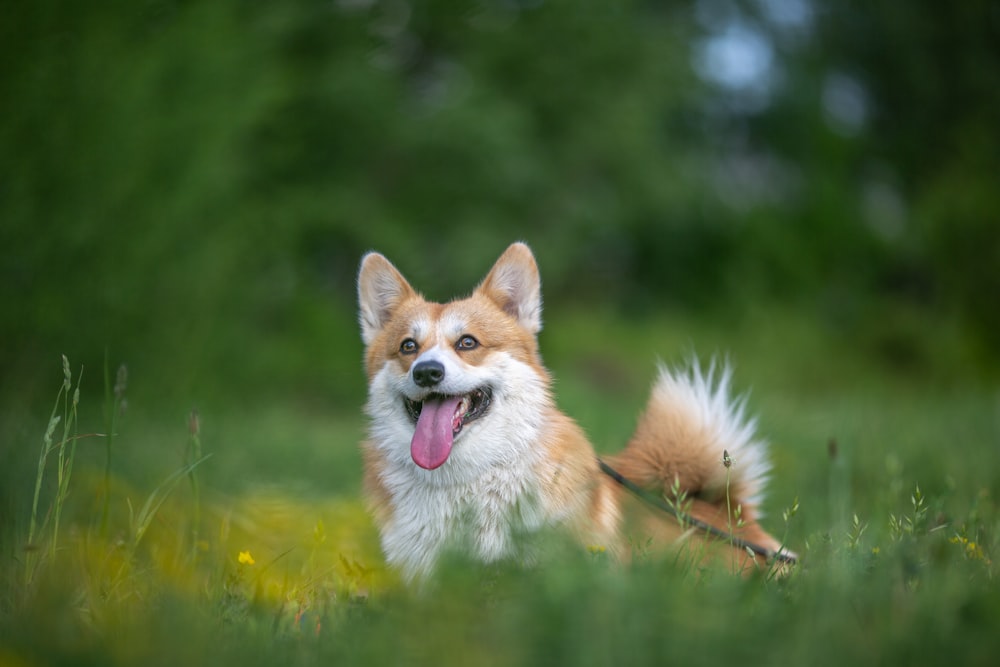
{"points": [[727, 462], [65, 451], [114, 402], [777, 566], [139, 523]]}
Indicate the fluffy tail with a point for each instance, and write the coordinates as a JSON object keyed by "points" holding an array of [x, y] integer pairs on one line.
{"points": [[695, 434]]}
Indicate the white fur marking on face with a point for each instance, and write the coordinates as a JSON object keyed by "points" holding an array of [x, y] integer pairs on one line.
{"points": [[452, 326], [420, 328], [459, 378]]}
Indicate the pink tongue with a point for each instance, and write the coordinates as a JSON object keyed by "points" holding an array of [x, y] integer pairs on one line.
{"points": [[432, 440]]}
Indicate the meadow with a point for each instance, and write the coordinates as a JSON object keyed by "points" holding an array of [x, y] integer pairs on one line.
{"points": [[236, 534], [186, 190]]}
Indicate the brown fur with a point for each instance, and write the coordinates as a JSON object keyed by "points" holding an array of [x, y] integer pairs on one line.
{"points": [[670, 449]]}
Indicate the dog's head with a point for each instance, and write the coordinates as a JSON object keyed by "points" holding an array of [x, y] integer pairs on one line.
{"points": [[439, 371]]}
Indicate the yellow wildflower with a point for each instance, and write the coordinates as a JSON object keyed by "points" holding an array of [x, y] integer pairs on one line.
{"points": [[245, 558], [972, 550]]}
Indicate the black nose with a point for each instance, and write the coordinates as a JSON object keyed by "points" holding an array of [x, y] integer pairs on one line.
{"points": [[428, 373]]}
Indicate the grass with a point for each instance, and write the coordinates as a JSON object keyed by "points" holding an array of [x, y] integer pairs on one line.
{"points": [[262, 553], [65, 452]]}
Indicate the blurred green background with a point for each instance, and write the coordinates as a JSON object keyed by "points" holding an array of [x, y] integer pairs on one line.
{"points": [[191, 185], [808, 186], [188, 187]]}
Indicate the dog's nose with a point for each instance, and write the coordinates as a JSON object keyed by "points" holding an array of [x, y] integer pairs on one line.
{"points": [[428, 373]]}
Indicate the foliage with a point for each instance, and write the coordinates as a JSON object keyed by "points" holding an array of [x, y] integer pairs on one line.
{"points": [[197, 181], [189, 187], [891, 571]]}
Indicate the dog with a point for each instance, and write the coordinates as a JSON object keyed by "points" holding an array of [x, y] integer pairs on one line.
{"points": [[467, 451]]}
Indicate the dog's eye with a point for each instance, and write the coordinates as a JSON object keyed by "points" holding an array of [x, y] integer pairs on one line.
{"points": [[467, 343], [408, 346]]}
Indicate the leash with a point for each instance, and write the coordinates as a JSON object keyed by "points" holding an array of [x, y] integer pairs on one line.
{"points": [[662, 505]]}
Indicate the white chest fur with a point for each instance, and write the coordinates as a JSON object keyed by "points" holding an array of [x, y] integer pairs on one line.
{"points": [[482, 517], [485, 494]]}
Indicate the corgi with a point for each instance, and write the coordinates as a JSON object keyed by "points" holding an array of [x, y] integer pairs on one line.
{"points": [[466, 449]]}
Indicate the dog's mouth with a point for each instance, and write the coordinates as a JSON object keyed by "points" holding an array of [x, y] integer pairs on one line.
{"points": [[470, 407], [438, 419]]}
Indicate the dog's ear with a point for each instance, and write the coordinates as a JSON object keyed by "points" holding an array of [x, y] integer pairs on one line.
{"points": [[514, 285], [381, 288]]}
